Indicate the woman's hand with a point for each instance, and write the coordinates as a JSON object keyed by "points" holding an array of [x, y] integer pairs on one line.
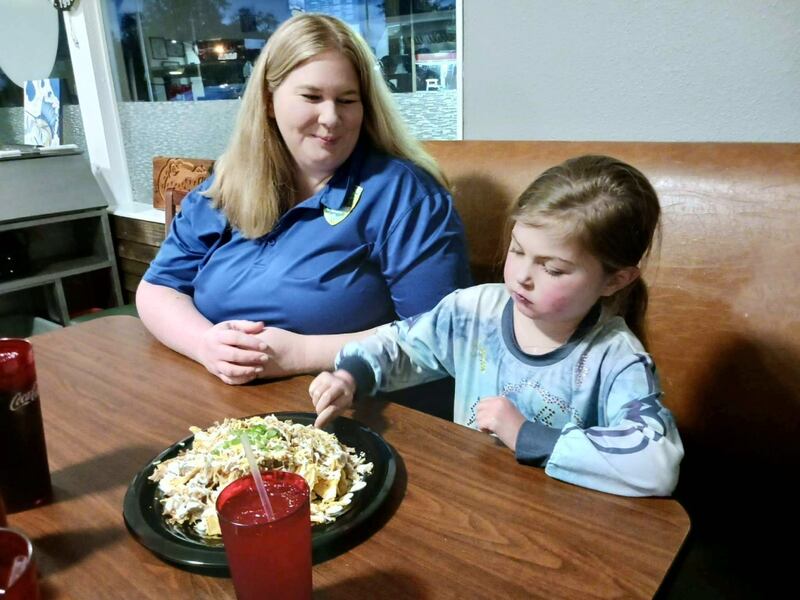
{"points": [[496, 414], [286, 351], [331, 394], [232, 351]]}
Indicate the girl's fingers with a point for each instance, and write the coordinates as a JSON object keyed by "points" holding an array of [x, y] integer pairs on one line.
{"points": [[325, 416], [327, 398]]}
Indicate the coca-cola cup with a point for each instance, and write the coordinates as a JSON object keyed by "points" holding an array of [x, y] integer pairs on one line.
{"points": [[24, 474]]}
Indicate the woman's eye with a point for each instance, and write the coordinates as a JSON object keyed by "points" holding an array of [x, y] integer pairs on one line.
{"points": [[347, 101], [311, 97]]}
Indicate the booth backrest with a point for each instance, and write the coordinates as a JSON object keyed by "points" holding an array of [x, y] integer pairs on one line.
{"points": [[724, 316]]}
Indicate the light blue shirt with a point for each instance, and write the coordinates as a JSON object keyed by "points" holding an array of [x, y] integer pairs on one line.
{"points": [[592, 407]]}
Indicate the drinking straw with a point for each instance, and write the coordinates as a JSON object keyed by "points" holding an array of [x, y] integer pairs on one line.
{"points": [[17, 569], [262, 491]]}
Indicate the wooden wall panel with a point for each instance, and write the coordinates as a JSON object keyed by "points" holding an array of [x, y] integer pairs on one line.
{"points": [[136, 243]]}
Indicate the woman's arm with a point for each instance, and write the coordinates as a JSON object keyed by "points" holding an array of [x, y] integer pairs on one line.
{"points": [[294, 353], [230, 350]]}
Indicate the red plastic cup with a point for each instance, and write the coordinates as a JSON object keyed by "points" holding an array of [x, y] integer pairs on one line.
{"points": [[268, 559], [18, 577], [24, 473]]}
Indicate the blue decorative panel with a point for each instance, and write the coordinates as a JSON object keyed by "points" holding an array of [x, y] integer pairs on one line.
{"points": [[42, 103]]}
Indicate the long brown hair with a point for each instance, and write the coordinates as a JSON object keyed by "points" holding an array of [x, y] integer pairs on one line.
{"points": [[254, 181], [611, 209]]}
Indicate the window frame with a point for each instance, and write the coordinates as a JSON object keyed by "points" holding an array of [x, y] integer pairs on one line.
{"points": [[96, 84]]}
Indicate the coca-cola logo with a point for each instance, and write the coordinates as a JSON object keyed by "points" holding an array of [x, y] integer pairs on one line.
{"points": [[22, 399]]}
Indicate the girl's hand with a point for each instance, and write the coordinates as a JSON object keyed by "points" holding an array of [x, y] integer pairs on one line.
{"points": [[496, 414], [331, 394], [232, 351]]}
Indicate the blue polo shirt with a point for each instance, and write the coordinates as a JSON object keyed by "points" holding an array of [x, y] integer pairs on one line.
{"points": [[380, 241]]}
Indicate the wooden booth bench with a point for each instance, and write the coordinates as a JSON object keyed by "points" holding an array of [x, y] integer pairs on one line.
{"points": [[723, 323]]}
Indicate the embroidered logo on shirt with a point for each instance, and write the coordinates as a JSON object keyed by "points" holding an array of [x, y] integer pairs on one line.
{"points": [[334, 216]]}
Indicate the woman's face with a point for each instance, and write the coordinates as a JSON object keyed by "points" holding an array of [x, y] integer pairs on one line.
{"points": [[319, 113]]}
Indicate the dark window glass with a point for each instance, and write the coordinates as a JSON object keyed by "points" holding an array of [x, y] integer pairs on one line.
{"points": [[173, 50]]}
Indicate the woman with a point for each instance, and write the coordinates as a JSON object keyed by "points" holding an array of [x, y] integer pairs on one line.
{"points": [[323, 216]]}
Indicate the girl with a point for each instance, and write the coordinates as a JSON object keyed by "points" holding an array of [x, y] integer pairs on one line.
{"points": [[552, 362]]}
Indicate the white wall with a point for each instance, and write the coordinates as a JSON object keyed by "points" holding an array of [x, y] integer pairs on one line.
{"points": [[642, 70]]}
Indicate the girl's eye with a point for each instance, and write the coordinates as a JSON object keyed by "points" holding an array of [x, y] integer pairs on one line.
{"points": [[552, 271], [311, 97], [347, 101], [515, 250]]}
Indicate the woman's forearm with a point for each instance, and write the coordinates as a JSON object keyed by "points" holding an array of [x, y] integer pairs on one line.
{"points": [[171, 317], [321, 350], [295, 354]]}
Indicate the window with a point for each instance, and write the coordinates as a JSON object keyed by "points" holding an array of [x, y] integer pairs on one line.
{"points": [[181, 65], [179, 50]]}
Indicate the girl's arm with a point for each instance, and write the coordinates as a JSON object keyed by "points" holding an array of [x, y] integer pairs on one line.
{"points": [[636, 452], [404, 353]]}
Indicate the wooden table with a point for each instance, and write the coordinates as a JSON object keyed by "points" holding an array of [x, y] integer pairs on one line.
{"points": [[464, 519]]}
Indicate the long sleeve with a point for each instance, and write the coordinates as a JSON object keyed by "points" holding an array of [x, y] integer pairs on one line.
{"points": [[635, 449], [404, 353]]}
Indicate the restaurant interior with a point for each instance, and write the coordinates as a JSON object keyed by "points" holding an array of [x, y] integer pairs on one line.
{"points": [[111, 111]]}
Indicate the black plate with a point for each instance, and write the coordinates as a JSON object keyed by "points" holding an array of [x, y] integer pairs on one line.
{"points": [[180, 546]]}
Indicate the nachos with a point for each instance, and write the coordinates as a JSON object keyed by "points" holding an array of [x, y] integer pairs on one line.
{"points": [[191, 481]]}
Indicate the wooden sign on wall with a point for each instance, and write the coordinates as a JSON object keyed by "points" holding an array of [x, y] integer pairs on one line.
{"points": [[182, 174]]}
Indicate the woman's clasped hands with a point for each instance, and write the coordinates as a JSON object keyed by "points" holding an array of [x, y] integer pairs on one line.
{"points": [[240, 351]]}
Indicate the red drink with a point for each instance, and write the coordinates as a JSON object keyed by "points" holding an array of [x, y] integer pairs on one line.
{"points": [[267, 559], [15, 547], [24, 474]]}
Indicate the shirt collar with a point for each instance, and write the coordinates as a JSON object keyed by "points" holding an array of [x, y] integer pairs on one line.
{"points": [[340, 187], [555, 355]]}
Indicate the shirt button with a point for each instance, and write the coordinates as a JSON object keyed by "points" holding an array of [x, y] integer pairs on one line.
{"points": [[271, 242]]}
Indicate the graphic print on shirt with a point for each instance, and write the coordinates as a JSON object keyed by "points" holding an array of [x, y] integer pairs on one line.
{"points": [[334, 216], [472, 415], [552, 410], [648, 427]]}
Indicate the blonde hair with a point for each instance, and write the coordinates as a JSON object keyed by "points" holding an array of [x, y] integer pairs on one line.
{"points": [[254, 182], [611, 209]]}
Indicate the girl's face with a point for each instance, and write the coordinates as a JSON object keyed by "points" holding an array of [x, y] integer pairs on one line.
{"points": [[551, 278], [319, 113]]}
